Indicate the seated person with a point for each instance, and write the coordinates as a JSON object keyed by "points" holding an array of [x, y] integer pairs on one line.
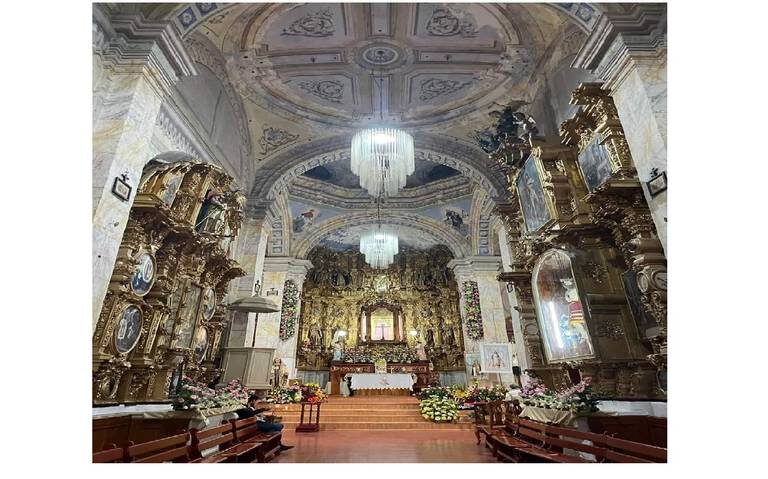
{"points": [[251, 410], [513, 393]]}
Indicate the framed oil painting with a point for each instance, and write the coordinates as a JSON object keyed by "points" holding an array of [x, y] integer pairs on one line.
{"points": [[201, 344], [144, 274], [594, 164], [533, 201], [209, 303], [188, 317], [496, 358], [559, 308], [128, 329]]}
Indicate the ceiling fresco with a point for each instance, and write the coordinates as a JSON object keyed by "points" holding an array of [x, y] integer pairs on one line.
{"points": [[339, 173]]}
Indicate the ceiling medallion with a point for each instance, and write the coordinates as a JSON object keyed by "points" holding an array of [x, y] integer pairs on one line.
{"points": [[315, 24], [380, 55]]}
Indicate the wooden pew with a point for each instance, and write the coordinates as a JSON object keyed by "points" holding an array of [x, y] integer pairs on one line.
{"points": [[168, 449], [112, 454], [220, 437], [489, 416], [621, 450], [250, 442]]}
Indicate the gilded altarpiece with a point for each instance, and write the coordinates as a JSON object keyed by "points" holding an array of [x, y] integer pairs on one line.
{"points": [[415, 301], [163, 310], [569, 272]]}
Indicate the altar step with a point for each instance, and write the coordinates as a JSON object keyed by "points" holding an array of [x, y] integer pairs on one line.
{"points": [[370, 413]]}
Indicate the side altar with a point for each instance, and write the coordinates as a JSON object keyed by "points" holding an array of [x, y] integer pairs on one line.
{"points": [[420, 369]]}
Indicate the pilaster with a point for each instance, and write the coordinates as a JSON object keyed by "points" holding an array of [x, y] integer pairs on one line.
{"points": [[484, 271], [277, 270], [627, 51], [136, 64]]}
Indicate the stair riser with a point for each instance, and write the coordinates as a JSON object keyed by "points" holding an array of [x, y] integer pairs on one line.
{"points": [[390, 426]]}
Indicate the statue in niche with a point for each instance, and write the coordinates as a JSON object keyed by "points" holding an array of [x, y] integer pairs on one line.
{"points": [[315, 336], [338, 350], [421, 352], [211, 216], [430, 339], [448, 338], [475, 369]]}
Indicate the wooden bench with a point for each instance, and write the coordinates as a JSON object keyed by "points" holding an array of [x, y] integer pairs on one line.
{"points": [[250, 442], [168, 449], [112, 454], [489, 416], [524, 440], [220, 437], [621, 450]]}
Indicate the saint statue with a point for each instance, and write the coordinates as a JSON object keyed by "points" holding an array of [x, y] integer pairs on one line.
{"points": [[421, 353], [338, 350], [315, 336], [475, 369], [211, 216], [430, 339], [448, 337]]}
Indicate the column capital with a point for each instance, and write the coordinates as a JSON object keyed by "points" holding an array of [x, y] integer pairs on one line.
{"points": [[292, 266], [129, 43], [464, 268], [618, 40]]}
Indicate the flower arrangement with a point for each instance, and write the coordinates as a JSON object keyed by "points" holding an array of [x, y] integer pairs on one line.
{"points": [[435, 391], [312, 393], [284, 395], [439, 409], [288, 310], [577, 398], [197, 396], [477, 393], [473, 316]]}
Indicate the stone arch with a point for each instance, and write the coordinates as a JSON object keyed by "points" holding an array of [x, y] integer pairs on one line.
{"points": [[281, 170], [416, 223]]}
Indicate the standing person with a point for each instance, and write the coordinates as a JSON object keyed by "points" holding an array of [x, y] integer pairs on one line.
{"points": [[250, 410]]}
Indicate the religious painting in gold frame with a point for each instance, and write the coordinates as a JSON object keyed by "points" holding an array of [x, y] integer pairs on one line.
{"points": [[144, 274], [560, 309], [128, 329], [538, 211], [594, 163], [200, 345]]}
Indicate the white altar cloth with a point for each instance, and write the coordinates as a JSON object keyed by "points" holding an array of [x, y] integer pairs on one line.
{"points": [[382, 381]]}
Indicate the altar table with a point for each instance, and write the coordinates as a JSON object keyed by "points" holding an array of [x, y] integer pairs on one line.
{"points": [[381, 381]]}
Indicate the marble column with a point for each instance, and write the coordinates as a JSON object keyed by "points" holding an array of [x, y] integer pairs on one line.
{"points": [[277, 270], [483, 270], [137, 62], [251, 252], [628, 52]]}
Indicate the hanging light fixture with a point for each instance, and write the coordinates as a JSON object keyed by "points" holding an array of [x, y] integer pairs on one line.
{"points": [[382, 157], [379, 245]]}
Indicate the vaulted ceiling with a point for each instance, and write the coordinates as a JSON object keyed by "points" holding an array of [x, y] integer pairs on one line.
{"points": [[301, 78]]}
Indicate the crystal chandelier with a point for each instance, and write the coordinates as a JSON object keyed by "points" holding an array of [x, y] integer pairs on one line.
{"points": [[383, 159], [379, 247]]}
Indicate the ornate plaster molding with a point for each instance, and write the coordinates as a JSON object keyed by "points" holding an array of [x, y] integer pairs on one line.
{"points": [[328, 194], [619, 39]]}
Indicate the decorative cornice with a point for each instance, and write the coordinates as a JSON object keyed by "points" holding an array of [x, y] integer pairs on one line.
{"points": [[475, 264], [620, 38], [328, 194], [141, 46]]}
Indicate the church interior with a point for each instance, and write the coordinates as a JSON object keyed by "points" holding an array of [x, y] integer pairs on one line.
{"points": [[438, 228]]}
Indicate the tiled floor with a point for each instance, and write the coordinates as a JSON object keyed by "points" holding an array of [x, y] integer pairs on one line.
{"points": [[384, 446]]}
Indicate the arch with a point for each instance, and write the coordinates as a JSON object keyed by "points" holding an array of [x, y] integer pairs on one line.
{"points": [[416, 223], [276, 175]]}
